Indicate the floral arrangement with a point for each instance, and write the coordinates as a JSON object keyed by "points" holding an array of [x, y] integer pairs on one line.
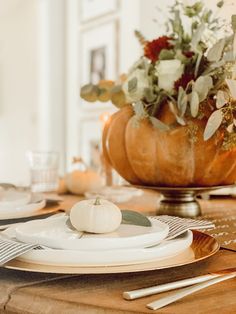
{"points": [[188, 69]]}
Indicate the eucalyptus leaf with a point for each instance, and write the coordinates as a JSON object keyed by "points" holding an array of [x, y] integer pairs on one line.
{"points": [[118, 96], [232, 87], [89, 92], [220, 4], [173, 109], [230, 128], [158, 124], [194, 104], [182, 101], [234, 46], [213, 124], [202, 86], [234, 72], [197, 36], [233, 22], [104, 95], [139, 110], [149, 95], [132, 84], [221, 99], [215, 52], [130, 217], [228, 56], [69, 224], [180, 120], [199, 58], [166, 54]]}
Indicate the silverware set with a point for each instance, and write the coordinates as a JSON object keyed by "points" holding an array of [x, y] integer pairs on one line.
{"points": [[188, 286]]}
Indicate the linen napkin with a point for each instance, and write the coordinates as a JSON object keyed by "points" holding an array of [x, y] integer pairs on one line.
{"points": [[179, 225], [11, 248]]}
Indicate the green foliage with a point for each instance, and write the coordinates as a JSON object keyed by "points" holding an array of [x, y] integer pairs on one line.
{"points": [[131, 217], [188, 68]]}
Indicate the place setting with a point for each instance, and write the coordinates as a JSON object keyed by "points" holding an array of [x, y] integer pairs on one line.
{"points": [[137, 242]]}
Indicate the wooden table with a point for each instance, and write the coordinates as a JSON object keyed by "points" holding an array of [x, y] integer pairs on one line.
{"points": [[23, 292]]}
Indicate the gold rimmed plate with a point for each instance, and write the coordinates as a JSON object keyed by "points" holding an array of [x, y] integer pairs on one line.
{"points": [[203, 246]]}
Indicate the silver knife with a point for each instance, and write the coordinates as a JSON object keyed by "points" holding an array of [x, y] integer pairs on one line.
{"points": [[140, 293]]}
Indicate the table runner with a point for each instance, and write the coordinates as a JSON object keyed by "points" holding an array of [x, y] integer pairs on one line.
{"points": [[225, 227]]}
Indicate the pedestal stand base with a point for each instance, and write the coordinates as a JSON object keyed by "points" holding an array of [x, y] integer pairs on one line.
{"points": [[182, 204], [181, 201]]}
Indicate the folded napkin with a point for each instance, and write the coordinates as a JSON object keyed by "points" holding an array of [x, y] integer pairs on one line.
{"points": [[11, 248], [179, 225]]}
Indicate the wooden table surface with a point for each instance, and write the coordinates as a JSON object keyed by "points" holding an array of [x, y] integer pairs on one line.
{"points": [[25, 292]]}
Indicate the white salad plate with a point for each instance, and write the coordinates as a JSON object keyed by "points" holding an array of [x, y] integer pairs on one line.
{"points": [[35, 203], [167, 249], [11, 199], [117, 194], [55, 233]]}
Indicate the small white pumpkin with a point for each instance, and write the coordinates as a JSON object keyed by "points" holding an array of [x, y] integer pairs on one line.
{"points": [[95, 216], [82, 179], [78, 182]]}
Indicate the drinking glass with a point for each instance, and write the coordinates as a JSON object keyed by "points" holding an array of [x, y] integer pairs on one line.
{"points": [[43, 171]]}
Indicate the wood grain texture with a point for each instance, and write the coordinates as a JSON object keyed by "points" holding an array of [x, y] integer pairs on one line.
{"points": [[102, 294]]}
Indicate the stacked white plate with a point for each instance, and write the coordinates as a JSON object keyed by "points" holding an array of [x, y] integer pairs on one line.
{"points": [[19, 204], [117, 194], [129, 244]]}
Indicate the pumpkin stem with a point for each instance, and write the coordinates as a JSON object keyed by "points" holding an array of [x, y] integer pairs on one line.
{"points": [[97, 201]]}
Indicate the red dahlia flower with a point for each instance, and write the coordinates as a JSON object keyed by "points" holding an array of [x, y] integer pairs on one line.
{"points": [[153, 48], [188, 54], [184, 80]]}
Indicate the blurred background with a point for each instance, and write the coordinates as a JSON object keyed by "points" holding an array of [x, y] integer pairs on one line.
{"points": [[48, 49]]}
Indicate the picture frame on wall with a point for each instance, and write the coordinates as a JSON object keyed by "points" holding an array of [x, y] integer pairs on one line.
{"points": [[99, 54], [92, 9]]}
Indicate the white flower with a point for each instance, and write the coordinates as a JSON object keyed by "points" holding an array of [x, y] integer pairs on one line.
{"points": [[169, 71], [135, 85]]}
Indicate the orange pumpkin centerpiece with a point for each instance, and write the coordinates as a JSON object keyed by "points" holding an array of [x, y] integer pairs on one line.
{"points": [[144, 155], [179, 129]]}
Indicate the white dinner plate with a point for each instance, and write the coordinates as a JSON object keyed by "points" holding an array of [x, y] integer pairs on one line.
{"points": [[55, 233], [118, 257], [11, 199], [37, 202]]}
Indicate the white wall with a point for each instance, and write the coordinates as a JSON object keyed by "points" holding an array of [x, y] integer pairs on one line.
{"points": [[18, 87], [31, 83], [51, 77]]}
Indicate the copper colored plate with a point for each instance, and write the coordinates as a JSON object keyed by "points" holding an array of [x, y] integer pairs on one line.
{"points": [[203, 246]]}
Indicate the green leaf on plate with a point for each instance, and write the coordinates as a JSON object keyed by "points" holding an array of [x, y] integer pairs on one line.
{"points": [[130, 217], [69, 224]]}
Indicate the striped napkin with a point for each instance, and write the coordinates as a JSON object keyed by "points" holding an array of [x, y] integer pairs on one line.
{"points": [[11, 248], [179, 225]]}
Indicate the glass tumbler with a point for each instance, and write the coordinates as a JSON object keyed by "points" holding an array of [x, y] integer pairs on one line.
{"points": [[43, 171]]}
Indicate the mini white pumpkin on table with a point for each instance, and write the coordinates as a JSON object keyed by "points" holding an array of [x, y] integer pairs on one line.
{"points": [[95, 216], [82, 179]]}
